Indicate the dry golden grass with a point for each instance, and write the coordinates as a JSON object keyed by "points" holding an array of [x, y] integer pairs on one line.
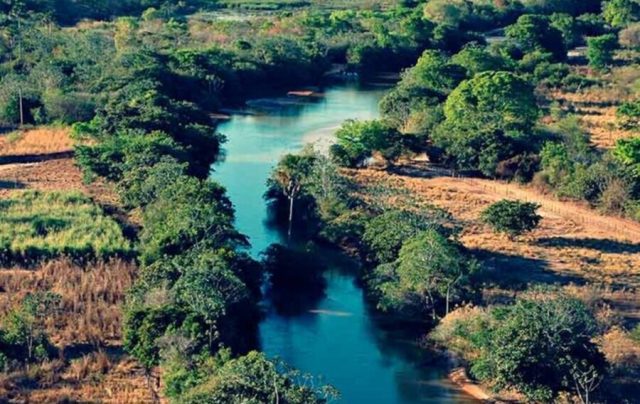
{"points": [[91, 298], [95, 378], [572, 243], [36, 141], [596, 106]]}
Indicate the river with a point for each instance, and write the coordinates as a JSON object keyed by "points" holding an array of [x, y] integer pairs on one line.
{"points": [[334, 334]]}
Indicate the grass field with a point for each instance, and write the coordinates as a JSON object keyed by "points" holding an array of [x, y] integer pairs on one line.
{"points": [[42, 225], [36, 142]]}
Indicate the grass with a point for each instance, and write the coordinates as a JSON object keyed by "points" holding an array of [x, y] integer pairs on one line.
{"points": [[38, 141], [35, 226]]}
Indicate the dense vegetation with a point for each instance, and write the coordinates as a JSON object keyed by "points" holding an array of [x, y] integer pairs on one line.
{"points": [[139, 86]]}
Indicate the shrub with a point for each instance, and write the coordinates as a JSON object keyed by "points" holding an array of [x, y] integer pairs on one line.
{"points": [[512, 217], [628, 115], [358, 140], [600, 50], [542, 345]]}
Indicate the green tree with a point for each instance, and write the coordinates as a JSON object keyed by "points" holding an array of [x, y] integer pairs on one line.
{"points": [[541, 345], [512, 217], [25, 327], [290, 176], [536, 33], [255, 379], [620, 13], [628, 115], [187, 214], [627, 151], [384, 234], [488, 118], [600, 50], [429, 269], [358, 140]]}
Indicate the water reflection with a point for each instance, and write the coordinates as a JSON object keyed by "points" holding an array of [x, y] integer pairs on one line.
{"points": [[330, 331]]}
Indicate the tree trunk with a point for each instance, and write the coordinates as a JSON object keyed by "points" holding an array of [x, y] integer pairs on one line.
{"points": [[21, 107], [447, 302], [290, 215]]}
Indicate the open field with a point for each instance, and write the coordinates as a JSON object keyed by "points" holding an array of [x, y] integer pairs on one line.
{"points": [[35, 166], [573, 244], [35, 142]]}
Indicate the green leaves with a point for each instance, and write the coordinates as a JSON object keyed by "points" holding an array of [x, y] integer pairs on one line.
{"points": [[541, 345], [358, 140], [512, 217], [600, 50]]}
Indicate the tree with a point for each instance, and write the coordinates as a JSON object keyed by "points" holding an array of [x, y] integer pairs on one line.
{"points": [[358, 140], [385, 233], [255, 379], [600, 50], [488, 118], [627, 151], [25, 327], [512, 217], [620, 13], [187, 214], [210, 292], [477, 59], [536, 33], [290, 176], [541, 345], [428, 266]]}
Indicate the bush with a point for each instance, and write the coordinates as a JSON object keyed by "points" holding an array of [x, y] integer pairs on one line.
{"points": [[187, 213], [542, 345], [512, 217], [600, 50], [358, 140], [69, 108], [628, 115]]}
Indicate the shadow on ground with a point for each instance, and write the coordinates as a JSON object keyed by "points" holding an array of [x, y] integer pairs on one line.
{"points": [[602, 245], [514, 272], [4, 184]]}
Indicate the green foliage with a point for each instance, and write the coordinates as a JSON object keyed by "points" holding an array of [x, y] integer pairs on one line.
{"points": [[141, 185], [600, 50], [628, 115], [187, 213], [620, 13], [512, 217], [23, 337], [254, 379], [126, 152], [537, 33], [627, 151], [429, 269], [541, 345], [477, 59], [384, 234], [488, 118], [36, 225], [358, 140]]}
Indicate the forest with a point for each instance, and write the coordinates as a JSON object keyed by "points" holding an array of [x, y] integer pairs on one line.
{"points": [[492, 206]]}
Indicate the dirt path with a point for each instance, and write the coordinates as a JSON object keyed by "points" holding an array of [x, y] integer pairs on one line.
{"points": [[574, 245], [592, 221]]}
